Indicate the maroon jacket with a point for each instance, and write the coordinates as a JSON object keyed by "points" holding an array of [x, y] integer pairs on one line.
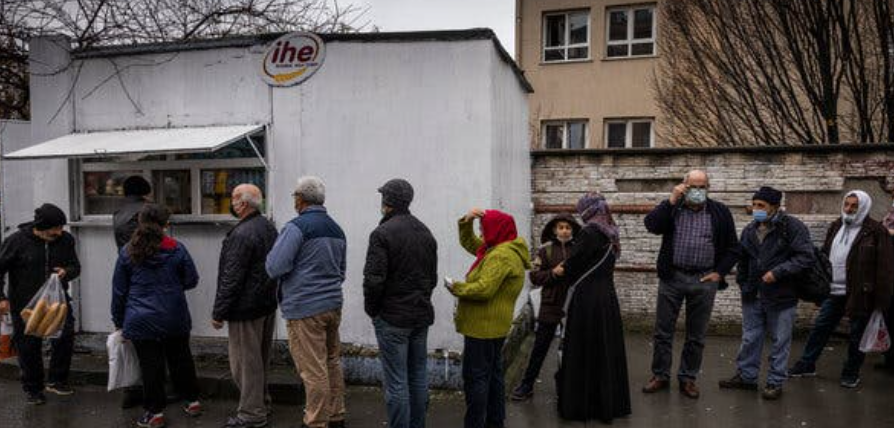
{"points": [[870, 274], [549, 255]]}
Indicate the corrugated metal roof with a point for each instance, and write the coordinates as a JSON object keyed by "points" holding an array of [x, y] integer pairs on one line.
{"points": [[140, 141]]}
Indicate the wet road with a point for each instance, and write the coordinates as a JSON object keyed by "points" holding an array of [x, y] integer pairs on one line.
{"points": [[817, 402]]}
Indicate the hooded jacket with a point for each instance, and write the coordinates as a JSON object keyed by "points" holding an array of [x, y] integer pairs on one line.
{"points": [[869, 273], [551, 253], [149, 299], [844, 240], [30, 261], [401, 271], [487, 297]]}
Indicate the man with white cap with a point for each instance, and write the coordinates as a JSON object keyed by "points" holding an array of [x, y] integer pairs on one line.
{"points": [[862, 277]]}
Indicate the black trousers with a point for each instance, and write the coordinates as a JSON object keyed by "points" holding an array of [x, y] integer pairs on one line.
{"points": [[154, 356], [483, 382], [543, 338], [30, 351]]}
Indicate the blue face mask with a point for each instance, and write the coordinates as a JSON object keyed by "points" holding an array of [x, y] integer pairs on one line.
{"points": [[760, 216], [697, 196]]}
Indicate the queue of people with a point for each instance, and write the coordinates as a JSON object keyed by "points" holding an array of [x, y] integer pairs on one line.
{"points": [[301, 270]]}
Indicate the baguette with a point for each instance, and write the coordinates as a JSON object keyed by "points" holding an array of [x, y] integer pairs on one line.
{"points": [[37, 315], [48, 319], [57, 322]]}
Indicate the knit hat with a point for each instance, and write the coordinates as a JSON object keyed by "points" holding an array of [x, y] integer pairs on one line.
{"points": [[136, 185], [768, 195], [397, 193], [49, 216]]}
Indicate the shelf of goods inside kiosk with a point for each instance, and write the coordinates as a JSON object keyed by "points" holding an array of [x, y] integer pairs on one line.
{"points": [[218, 185]]}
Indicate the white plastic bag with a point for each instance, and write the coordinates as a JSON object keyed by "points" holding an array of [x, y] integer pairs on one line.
{"points": [[875, 338], [536, 298], [124, 366], [46, 312]]}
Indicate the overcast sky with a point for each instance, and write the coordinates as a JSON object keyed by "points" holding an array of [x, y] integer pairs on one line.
{"points": [[408, 15]]}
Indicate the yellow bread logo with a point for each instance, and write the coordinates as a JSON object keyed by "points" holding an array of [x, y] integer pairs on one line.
{"points": [[292, 59]]}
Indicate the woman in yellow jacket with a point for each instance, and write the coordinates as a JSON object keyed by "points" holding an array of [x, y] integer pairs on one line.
{"points": [[486, 306]]}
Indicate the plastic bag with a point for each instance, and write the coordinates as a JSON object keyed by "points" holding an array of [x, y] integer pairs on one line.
{"points": [[875, 338], [124, 365], [46, 312], [6, 330], [535, 296]]}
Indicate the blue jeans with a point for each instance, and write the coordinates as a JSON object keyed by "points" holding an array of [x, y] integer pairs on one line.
{"points": [[403, 352], [829, 316], [757, 321], [483, 382]]}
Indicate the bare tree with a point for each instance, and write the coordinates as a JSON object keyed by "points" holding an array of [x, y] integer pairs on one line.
{"points": [[753, 72], [91, 23]]}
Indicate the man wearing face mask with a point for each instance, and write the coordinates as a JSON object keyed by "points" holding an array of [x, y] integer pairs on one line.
{"points": [[862, 277], [30, 255], [400, 274], [776, 248], [246, 299], [699, 248]]}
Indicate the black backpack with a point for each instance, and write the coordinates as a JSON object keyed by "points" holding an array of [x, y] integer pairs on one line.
{"points": [[814, 284]]}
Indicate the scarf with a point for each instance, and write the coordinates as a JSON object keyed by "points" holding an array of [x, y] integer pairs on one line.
{"points": [[497, 227], [594, 209]]}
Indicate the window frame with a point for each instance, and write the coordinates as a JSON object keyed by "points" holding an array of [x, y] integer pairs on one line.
{"points": [[565, 132], [195, 168], [628, 131], [631, 24], [567, 36]]}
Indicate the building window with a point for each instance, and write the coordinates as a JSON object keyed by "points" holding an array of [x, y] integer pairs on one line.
{"points": [[630, 32], [629, 133], [195, 185], [571, 134], [566, 36]]}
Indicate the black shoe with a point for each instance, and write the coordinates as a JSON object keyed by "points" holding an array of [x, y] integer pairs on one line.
{"points": [[850, 382], [237, 422], [801, 369], [772, 392], [522, 392], [59, 388], [36, 398], [736, 382]]}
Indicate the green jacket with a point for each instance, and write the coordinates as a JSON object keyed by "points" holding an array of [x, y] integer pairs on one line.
{"points": [[487, 297]]}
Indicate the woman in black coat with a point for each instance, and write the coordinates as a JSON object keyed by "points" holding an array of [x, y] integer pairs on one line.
{"points": [[592, 378]]}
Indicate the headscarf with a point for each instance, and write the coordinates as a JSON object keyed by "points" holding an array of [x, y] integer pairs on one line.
{"points": [[594, 209], [889, 219], [497, 227], [849, 231]]}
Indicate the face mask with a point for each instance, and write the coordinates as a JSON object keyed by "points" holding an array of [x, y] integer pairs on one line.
{"points": [[760, 216], [697, 196], [849, 218]]}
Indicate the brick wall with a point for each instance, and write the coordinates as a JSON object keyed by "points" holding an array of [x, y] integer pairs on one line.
{"points": [[814, 179]]}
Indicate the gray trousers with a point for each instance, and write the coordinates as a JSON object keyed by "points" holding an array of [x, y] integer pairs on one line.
{"points": [[699, 300], [250, 344]]}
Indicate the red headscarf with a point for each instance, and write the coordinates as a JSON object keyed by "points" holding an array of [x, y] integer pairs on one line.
{"points": [[497, 228]]}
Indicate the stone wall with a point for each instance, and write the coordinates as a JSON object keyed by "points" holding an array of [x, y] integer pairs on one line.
{"points": [[633, 181]]}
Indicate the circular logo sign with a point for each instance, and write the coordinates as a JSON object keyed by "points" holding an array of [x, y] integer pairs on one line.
{"points": [[292, 59]]}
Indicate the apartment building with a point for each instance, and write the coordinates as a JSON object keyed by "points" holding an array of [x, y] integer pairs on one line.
{"points": [[591, 63]]}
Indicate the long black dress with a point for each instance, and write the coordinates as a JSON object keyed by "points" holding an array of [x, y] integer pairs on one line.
{"points": [[592, 379]]}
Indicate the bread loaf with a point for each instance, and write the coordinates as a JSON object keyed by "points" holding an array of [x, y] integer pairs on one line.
{"points": [[57, 321], [48, 319], [40, 310]]}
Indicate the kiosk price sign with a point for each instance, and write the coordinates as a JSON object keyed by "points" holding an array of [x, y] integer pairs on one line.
{"points": [[292, 59]]}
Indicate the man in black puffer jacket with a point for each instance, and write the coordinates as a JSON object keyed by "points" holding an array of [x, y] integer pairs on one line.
{"points": [[30, 255], [246, 298], [400, 273]]}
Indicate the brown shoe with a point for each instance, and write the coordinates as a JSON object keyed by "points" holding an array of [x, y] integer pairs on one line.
{"points": [[688, 388], [655, 384]]}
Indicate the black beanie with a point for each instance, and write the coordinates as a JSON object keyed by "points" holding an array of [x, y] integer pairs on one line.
{"points": [[49, 216], [397, 193], [136, 185], [768, 195]]}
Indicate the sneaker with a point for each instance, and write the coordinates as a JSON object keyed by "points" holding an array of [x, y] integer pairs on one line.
{"points": [[237, 422], [772, 392], [736, 382], [850, 382], [193, 408], [802, 369], [36, 398], [522, 392], [151, 420], [59, 388]]}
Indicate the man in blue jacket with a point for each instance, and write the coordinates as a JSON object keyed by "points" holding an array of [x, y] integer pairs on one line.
{"points": [[308, 261], [698, 249], [776, 248]]}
